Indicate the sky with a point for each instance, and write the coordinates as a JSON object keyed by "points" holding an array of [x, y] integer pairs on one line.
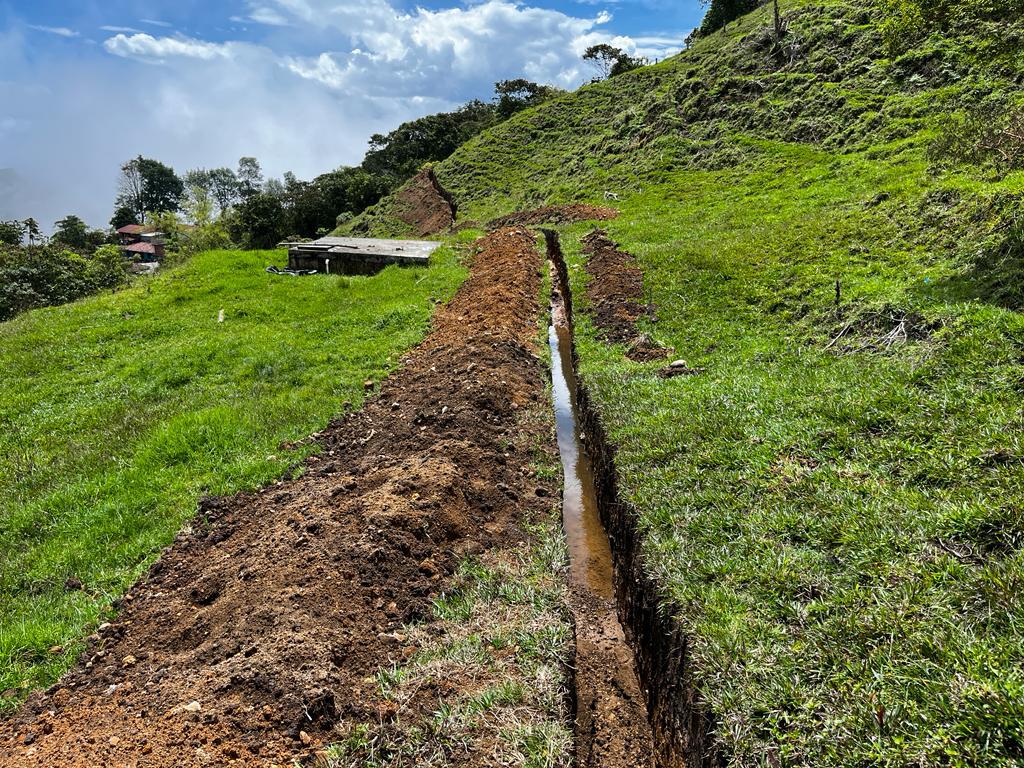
{"points": [[300, 84]]}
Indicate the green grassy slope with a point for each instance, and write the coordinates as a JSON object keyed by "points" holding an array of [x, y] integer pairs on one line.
{"points": [[119, 411], [837, 524]]}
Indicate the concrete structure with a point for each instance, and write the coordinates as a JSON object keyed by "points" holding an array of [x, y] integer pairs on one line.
{"points": [[358, 255]]}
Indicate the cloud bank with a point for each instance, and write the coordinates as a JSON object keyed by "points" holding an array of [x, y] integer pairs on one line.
{"points": [[303, 93]]}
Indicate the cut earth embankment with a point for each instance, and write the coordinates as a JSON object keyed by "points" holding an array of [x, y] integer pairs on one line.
{"points": [[260, 636]]}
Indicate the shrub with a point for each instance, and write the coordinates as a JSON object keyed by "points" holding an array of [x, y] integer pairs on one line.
{"points": [[46, 275], [993, 136]]}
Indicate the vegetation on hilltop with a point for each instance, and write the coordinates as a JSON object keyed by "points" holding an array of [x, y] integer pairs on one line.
{"points": [[832, 507]]}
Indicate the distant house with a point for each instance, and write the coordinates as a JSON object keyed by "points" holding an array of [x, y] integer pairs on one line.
{"points": [[140, 242]]}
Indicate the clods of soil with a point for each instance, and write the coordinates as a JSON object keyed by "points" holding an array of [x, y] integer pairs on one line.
{"points": [[263, 625], [425, 205], [615, 293], [555, 214]]}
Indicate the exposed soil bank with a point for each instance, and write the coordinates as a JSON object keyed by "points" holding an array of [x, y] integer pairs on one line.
{"points": [[615, 294], [554, 214], [682, 728], [258, 630], [425, 205]]}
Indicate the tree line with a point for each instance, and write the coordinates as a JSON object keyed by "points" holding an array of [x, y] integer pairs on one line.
{"points": [[216, 207]]}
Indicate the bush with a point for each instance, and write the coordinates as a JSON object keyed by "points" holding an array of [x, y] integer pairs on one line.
{"points": [[993, 136], [47, 275]]}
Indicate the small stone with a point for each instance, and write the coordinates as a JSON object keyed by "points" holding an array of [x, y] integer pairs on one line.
{"points": [[678, 364], [129, 661], [368, 385], [56, 650], [193, 706], [395, 406], [305, 738], [103, 627], [114, 741]]}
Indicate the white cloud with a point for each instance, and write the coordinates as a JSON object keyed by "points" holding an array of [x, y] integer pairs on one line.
{"points": [[59, 31], [156, 23], [143, 46], [269, 16], [449, 50], [127, 30], [319, 77]]}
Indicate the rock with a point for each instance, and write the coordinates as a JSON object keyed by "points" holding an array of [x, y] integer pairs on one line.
{"points": [[129, 661], [193, 706], [305, 738], [56, 650], [114, 741], [678, 364]]}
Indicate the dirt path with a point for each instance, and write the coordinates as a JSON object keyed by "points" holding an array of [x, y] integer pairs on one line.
{"points": [[260, 630], [254, 634]]}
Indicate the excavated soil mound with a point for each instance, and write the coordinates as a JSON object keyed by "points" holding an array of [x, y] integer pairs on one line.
{"points": [[260, 627], [425, 205], [615, 292], [554, 214]]}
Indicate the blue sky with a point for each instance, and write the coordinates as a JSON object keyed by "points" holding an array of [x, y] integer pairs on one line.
{"points": [[300, 84]]}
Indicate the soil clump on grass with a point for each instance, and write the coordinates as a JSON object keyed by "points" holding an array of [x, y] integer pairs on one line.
{"points": [[554, 214], [261, 628], [615, 293]]}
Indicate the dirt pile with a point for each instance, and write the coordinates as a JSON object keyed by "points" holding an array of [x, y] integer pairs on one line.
{"points": [[615, 292], [554, 214], [262, 626], [425, 205]]}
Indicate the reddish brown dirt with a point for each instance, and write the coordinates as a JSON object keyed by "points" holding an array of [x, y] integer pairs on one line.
{"points": [[615, 293], [425, 205], [555, 214], [257, 630]]}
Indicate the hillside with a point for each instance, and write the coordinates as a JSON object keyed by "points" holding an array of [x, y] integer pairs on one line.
{"points": [[829, 506]]}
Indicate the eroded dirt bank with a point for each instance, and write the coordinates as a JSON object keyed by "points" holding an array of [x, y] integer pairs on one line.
{"points": [[256, 632]]}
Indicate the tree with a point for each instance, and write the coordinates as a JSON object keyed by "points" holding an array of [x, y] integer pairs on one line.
{"points": [[259, 221], [149, 186], [250, 177], [401, 153], [123, 216], [32, 230], [610, 61], [11, 232], [721, 12], [224, 187], [519, 94], [72, 232]]}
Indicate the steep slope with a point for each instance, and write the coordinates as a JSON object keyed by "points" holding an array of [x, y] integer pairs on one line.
{"points": [[829, 505]]}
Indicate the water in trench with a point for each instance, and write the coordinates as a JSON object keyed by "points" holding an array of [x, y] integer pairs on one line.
{"points": [[612, 728], [590, 555]]}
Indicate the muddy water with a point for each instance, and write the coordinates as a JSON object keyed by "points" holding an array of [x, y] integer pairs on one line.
{"points": [[612, 727], [590, 555]]}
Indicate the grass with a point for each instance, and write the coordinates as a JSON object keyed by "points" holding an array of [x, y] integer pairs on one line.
{"points": [[119, 411], [836, 521]]}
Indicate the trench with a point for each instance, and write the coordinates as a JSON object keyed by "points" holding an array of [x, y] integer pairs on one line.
{"points": [[606, 569]]}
